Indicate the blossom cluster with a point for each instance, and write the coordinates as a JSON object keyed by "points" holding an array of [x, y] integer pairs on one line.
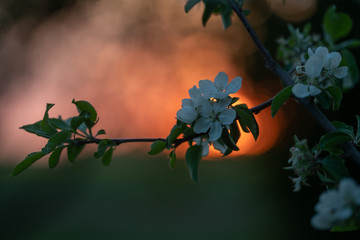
{"points": [[337, 206], [294, 47], [208, 109], [301, 161], [318, 72]]}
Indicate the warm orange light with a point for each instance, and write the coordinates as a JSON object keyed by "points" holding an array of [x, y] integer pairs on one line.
{"points": [[135, 75], [293, 10]]}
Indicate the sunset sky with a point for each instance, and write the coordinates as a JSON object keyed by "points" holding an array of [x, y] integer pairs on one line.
{"points": [[134, 61]]}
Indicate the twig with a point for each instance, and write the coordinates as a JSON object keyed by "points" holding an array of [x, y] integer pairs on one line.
{"points": [[117, 141], [262, 106]]}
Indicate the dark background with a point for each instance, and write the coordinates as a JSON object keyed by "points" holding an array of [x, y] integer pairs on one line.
{"points": [[138, 197]]}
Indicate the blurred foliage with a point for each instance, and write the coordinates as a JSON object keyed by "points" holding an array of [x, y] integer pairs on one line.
{"points": [[139, 198]]}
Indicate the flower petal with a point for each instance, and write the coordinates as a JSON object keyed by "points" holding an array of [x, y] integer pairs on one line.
{"points": [[321, 222], [313, 91], [234, 85], [215, 131], [205, 148], [221, 80], [205, 145], [187, 114], [310, 52], [313, 66], [205, 109], [202, 125], [333, 60], [300, 90], [341, 72], [322, 52], [207, 88], [186, 102], [221, 105], [227, 116], [195, 95], [218, 146]]}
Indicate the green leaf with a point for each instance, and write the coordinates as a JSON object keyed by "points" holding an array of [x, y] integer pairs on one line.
{"points": [[351, 224], [27, 162], [332, 140], [226, 12], [59, 124], [84, 106], [350, 43], [324, 100], [36, 129], [247, 119], [344, 228], [102, 146], [174, 133], [157, 147], [207, 13], [106, 159], [235, 131], [343, 127], [325, 179], [337, 25], [229, 142], [234, 100], [55, 141], [193, 156], [100, 132], [358, 128], [172, 161], [280, 99], [349, 60], [55, 157], [307, 28], [189, 132], [244, 127], [73, 151], [44, 124], [190, 4], [77, 121], [335, 166], [336, 95], [227, 152]]}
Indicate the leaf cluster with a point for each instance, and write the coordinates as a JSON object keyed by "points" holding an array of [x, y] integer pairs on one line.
{"points": [[216, 7], [71, 134]]}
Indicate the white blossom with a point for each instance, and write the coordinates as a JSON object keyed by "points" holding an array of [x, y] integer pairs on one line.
{"points": [[315, 63], [336, 206], [219, 146], [213, 116], [205, 145], [189, 111], [301, 90], [332, 63], [323, 59], [220, 88], [297, 183], [301, 161]]}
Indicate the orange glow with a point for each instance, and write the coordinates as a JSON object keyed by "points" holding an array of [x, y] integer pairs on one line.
{"points": [[293, 10], [134, 74]]}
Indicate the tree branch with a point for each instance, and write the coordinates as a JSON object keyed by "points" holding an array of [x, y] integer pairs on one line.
{"points": [[257, 109], [271, 64], [117, 141]]}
